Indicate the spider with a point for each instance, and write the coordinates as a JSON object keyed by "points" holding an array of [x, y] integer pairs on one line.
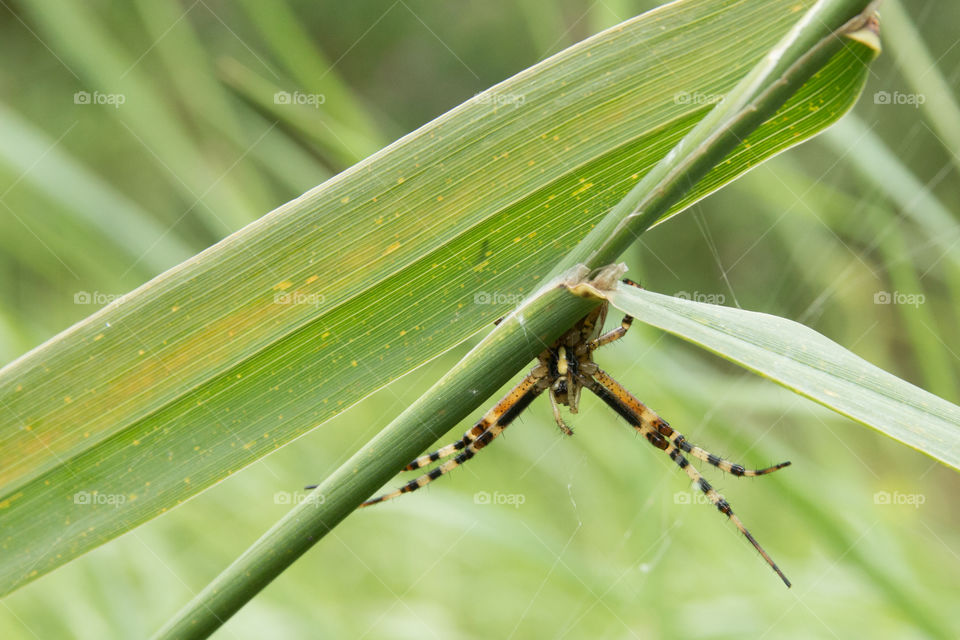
{"points": [[563, 370]]}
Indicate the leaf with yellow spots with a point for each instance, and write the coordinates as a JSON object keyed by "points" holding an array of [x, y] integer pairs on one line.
{"points": [[304, 297]]}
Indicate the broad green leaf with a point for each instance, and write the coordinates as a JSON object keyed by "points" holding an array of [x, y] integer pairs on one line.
{"points": [[306, 311], [810, 364]]}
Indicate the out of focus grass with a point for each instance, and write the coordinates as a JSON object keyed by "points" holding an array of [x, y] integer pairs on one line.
{"points": [[604, 543]]}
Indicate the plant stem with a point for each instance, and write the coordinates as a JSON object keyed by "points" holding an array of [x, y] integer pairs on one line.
{"points": [[481, 372], [802, 52]]}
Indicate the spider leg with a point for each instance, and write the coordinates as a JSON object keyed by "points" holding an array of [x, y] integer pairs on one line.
{"points": [[613, 335], [473, 432], [661, 426], [647, 423], [556, 413], [498, 418], [617, 333]]}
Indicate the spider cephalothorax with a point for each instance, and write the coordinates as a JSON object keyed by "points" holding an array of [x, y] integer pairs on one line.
{"points": [[566, 359], [563, 370]]}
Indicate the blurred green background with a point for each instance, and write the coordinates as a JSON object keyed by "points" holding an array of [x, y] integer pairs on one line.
{"points": [[134, 134]]}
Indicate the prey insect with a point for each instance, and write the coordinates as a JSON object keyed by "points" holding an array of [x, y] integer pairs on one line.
{"points": [[563, 370]]}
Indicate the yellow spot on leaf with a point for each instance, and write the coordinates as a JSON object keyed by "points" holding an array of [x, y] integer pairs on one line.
{"points": [[280, 286], [392, 248], [344, 199], [353, 363], [6, 503], [311, 279], [582, 189]]}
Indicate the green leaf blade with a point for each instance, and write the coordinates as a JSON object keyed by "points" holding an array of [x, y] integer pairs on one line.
{"points": [[810, 364]]}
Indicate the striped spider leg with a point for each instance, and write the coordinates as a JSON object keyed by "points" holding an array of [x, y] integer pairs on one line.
{"points": [[480, 435], [554, 371], [563, 370], [664, 437]]}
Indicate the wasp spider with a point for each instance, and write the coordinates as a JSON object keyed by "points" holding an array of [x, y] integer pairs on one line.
{"points": [[563, 370]]}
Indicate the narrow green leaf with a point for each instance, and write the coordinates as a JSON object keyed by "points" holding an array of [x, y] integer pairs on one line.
{"points": [[810, 364], [306, 63], [39, 161], [932, 92], [105, 65], [341, 145], [880, 167]]}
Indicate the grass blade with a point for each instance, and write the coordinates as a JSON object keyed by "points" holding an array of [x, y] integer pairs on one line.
{"points": [[809, 364]]}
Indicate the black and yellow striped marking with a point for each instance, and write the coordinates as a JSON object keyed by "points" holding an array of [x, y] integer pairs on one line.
{"points": [[631, 405], [497, 419], [563, 370], [662, 436]]}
